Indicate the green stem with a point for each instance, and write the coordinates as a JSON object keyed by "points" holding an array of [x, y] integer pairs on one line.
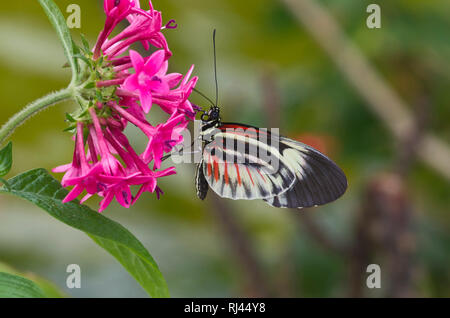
{"points": [[32, 109], [6, 184]]}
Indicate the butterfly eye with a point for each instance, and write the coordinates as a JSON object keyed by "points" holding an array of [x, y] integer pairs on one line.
{"points": [[204, 117]]}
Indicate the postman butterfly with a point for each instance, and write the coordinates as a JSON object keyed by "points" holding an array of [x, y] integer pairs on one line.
{"points": [[243, 162]]}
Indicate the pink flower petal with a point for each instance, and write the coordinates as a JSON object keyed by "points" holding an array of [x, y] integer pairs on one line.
{"points": [[131, 83], [163, 69], [155, 62], [76, 191], [136, 60], [62, 168], [160, 86], [106, 201], [173, 79], [146, 100], [124, 197], [85, 198]]}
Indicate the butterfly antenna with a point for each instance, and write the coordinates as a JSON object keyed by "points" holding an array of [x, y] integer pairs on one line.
{"points": [[215, 76], [215, 67], [204, 96]]}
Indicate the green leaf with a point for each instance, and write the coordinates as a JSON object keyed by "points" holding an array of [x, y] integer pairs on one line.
{"points": [[99, 96], [69, 118], [85, 43], [83, 58], [70, 129], [59, 23], [40, 188], [49, 289], [5, 159], [13, 286], [90, 85]]}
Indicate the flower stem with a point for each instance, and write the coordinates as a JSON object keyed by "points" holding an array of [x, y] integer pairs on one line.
{"points": [[32, 109], [6, 184]]}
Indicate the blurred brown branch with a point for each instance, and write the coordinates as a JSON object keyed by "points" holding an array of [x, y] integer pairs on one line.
{"points": [[408, 147], [383, 233], [241, 248], [383, 101]]}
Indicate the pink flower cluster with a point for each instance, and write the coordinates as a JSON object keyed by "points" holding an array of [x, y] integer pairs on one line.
{"points": [[104, 162]]}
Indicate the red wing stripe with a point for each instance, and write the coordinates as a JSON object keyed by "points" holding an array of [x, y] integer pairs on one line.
{"points": [[227, 181], [216, 169], [264, 179], [250, 175], [209, 169], [238, 174]]}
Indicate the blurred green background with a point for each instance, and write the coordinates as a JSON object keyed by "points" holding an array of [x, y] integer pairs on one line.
{"points": [[267, 61]]}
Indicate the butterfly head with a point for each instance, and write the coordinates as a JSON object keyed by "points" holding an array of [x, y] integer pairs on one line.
{"points": [[212, 116]]}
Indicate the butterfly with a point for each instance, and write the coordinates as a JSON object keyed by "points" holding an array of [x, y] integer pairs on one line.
{"points": [[243, 162]]}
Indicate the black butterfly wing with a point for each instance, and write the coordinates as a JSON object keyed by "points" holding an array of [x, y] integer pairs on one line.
{"points": [[319, 180], [233, 171]]}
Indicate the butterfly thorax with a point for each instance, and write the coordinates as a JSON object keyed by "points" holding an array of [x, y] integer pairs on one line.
{"points": [[210, 122]]}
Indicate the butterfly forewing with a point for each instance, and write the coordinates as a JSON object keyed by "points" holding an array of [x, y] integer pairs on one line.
{"points": [[243, 163], [318, 179]]}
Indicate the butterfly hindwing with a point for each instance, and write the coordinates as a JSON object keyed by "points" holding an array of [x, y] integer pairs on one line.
{"points": [[318, 179]]}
